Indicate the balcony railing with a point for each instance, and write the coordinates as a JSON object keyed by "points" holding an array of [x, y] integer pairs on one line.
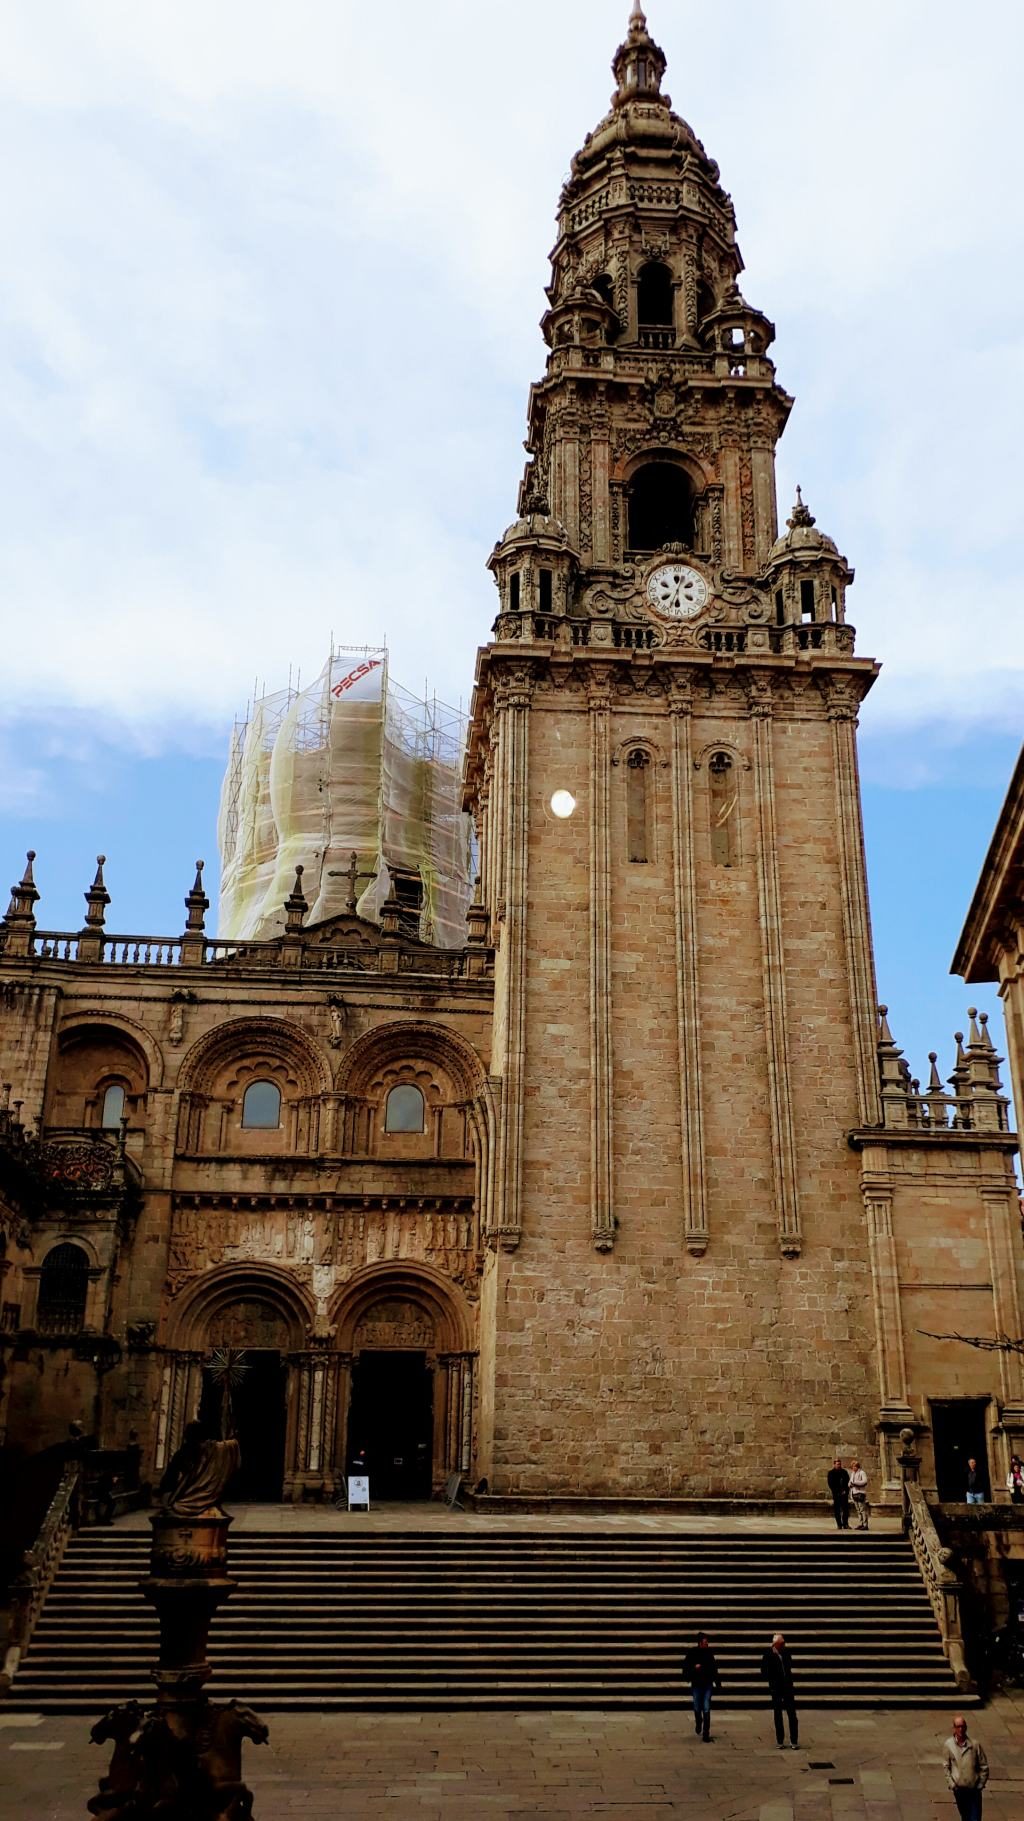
{"points": [[166, 952]]}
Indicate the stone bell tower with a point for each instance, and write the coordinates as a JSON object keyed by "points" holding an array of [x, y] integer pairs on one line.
{"points": [[684, 1017]]}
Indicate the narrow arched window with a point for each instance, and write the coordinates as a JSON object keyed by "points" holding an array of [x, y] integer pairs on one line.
{"points": [[113, 1107], [654, 296], [724, 808], [660, 507], [638, 807], [405, 1108], [261, 1105], [63, 1288]]}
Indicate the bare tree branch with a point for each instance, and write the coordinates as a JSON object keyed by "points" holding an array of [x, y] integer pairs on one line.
{"points": [[1001, 1344]]}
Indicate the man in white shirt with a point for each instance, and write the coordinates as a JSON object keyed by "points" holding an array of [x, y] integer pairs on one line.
{"points": [[966, 1771]]}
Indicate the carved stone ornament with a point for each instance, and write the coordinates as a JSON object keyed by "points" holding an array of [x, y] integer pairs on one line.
{"points": [[87, 1165]]}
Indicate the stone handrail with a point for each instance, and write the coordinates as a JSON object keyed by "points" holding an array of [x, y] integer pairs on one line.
{"points": [[39, 1564], [937, 1572]]}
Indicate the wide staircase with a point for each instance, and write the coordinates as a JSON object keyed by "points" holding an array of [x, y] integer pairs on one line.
{"points": [[520, 1620]]}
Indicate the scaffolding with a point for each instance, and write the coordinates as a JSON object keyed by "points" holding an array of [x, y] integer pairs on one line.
{"points": [[353, 763]]}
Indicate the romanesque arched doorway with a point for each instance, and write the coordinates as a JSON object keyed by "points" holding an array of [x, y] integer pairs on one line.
{"points": [[407, 1336], [245, 1373], [240, 1336]]}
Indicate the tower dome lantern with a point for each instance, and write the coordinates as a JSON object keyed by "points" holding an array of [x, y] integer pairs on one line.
{"points": [[639, 64]]}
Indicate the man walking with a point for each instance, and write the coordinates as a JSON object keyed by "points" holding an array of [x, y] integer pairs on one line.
{"points": [[777, 1668], [701, 1671], [839, 1492], [859, 1496], [966, 1771]]}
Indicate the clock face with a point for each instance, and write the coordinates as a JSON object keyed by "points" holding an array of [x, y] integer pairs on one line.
{"points": [[677, 591]]}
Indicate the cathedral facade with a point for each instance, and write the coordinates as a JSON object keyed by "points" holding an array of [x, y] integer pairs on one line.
{"points": [[633, 1195]]}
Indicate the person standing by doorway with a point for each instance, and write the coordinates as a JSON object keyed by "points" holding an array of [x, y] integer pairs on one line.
{"points": [[859, 1496], [966, 1771], [777, 1669], [975, 1483], [701, 1671], [1015, 1480], [839, 1492]]}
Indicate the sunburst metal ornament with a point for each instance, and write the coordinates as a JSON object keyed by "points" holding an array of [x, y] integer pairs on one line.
{"points": [[227, 1367]]}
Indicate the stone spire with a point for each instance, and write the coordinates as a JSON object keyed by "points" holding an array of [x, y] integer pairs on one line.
{"points": [[193, 942], [20, 921], [295, 906], [97, 897], [90, 940]]}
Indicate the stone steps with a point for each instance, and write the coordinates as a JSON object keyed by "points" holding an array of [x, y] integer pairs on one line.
{"points": [[505, 1620]]}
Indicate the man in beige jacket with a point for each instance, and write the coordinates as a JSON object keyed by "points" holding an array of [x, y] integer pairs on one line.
{"points": [[966, 1771]]}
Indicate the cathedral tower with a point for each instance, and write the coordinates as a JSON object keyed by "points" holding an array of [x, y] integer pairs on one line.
{"points": [[684, 1019]]}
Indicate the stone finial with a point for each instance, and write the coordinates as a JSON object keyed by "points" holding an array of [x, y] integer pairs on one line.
{"points": [[637, 19], [981, 1070], [893, 1073], [295, 906], [197, 903], [20, 922], [800, 514], [934, 1078], [25, 895], [97, 897]]}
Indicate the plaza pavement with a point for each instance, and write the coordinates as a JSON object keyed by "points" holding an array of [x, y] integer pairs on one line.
{"points": [[510, 1767]]}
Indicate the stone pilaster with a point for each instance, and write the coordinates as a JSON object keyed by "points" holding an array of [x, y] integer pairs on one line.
{"points": [[691, 1123], [513, 713], [773, 964], [842, 698], [602, 1216]]}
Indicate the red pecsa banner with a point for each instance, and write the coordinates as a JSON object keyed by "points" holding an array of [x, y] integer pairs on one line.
{"points": [[359, 681]]}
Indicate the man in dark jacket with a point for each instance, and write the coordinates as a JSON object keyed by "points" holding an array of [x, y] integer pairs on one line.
{"points": [[777, 1668], [839, 1492], [701, 1671]]}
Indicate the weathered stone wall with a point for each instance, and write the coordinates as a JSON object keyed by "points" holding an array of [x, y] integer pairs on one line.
{"points": [[647, 1368]]}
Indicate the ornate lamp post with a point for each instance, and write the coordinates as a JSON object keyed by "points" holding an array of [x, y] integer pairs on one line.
{"points": [[182, 1759]]}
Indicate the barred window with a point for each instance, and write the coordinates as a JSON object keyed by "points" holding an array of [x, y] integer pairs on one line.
{"points": [[63, 1288]]}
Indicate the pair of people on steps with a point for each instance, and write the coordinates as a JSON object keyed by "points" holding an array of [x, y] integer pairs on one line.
{"points": [[700, 1669], [848, 1490]]}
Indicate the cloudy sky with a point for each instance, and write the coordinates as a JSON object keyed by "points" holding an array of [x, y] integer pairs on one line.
{"points": [[272, 280]]}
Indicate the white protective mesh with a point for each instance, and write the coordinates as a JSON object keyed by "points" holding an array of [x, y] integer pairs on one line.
{"points": [[353, 763]]}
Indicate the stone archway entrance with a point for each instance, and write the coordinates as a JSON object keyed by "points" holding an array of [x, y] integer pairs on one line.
{"points": [[246, 1360], [391, 1407], [409, 1402]]}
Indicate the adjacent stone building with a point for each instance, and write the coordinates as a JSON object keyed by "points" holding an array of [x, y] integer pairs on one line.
{"points": [[633, 1195]]}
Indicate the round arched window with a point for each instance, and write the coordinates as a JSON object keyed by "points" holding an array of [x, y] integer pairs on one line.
{"points": [[404, 1112], [113, 1107], [261, 1105], [63, 1288]]}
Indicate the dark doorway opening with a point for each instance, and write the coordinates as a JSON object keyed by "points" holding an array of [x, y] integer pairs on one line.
{"points": [[391, 1416], [958, 1434], [258, 1406]]}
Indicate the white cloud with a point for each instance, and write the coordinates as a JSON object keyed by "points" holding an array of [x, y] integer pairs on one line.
{"points": [[274, 276]]}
